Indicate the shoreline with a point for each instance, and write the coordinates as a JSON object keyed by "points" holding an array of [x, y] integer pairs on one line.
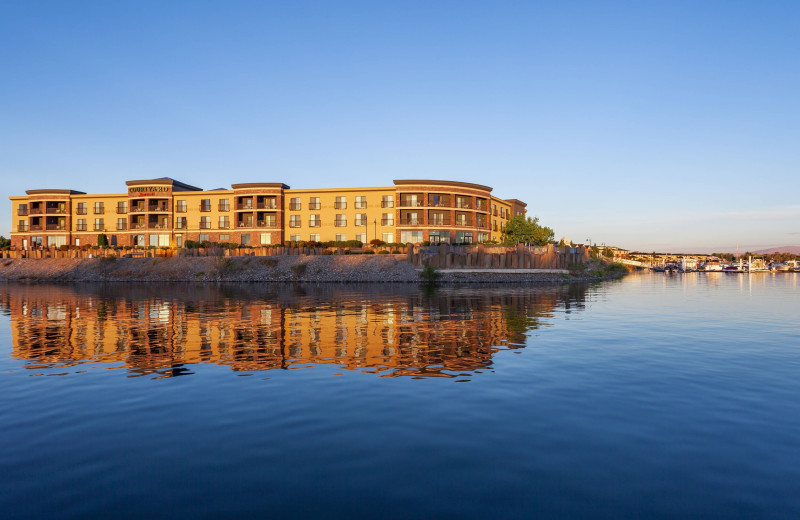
{"points": [[303, 268]]}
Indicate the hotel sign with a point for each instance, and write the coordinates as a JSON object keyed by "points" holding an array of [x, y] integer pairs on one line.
{"points": [[149, 191]]}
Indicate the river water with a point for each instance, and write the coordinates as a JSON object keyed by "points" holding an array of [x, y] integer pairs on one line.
{"points": [[654, 396]]}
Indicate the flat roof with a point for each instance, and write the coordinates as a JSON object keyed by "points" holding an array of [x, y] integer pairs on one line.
{"points": [[165, 180], [58, 192], [405, 182]]}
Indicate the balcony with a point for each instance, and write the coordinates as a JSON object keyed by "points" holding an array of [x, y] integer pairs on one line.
{"points": [[137, 209], [56, 227], [438, 221], [482, 225], [22, 228], [410, 221], [267, 223], [138, 225], [244, 224], [463, 204], [464, 222], [158, 208], [414, 203], [244, 206], [295, 206], [340, 205], [270, 204], [387, 203], [56, 211], [35, 211], [80, 227], [439, 203], [387, 222], [36, 227], [22, 212], [157, 226]]}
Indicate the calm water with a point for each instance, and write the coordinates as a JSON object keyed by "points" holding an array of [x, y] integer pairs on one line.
{"points": [[651, 397]]}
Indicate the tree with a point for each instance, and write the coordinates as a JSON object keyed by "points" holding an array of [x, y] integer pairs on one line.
{"points": [[527, 231], [102, 240], [4, 243]]}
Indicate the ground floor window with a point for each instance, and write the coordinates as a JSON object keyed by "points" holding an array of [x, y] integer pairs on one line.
{"points": [[294, 238], [138, 240], [77, 242], [464, 237], [56, 241], [36, 241], [246, 239], [341, 237], [224, 238], [483, 237], [314, 237], [439, 237], [412, 237], [159, 240], [361, 237], [388, 237], [179, 240], [203, 237], [266, 238]]}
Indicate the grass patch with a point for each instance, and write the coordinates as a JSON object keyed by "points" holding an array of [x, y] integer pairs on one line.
{"points": [[430, 274]]}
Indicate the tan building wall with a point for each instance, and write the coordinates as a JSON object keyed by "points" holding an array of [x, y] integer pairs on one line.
{"points": [[168, 213]]}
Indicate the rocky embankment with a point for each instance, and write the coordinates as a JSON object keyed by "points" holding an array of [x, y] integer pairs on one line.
{"points": [[326, 268]]}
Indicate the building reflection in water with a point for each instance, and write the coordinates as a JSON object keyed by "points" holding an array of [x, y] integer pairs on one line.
{"points": [[391, 330]]}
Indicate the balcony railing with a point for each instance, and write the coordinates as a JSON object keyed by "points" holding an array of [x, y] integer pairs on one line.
{"points": [[180, 224], [314, 223], [99, 227], [99, 211], [122, 210], [205, 208], [267, 223], [157, 226], [22, 212], [481, 206], [438, 221], [387, 222], [294, 223], [22, 228], [180, 208], [36, 227], [361, 222], [56, 227], [36, 211], [464, 223], [158, 208], [387, 203], [270, 204], [137, 209], [122, 226], [80, 227], [244, 206], [224, 225], [245, 224], [340, 205], [295, 206], [340, 223], [205, 225], [463, 204], [224, 207], [314, 205], [361, 204], [441, 203], [56, 211], [410, 221], [494, 212], [414, 203]]}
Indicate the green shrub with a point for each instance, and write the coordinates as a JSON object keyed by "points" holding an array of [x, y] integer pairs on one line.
{"points": [[384, 252], [299, 269], [430, 274]]}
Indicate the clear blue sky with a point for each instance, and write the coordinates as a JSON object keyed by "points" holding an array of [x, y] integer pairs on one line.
{"points": [[648, 125]]}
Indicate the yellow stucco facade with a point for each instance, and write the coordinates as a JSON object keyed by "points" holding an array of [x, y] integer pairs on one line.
{"points": [[168, 213]]}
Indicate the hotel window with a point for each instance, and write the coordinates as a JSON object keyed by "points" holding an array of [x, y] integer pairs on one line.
{"points": [[246, 239], [122, 207], [494, 209], [387, 219], [180, 223], [313, 203], [294, 238], [294, 220], [361, 202], [341, 237], [205, 222], [361, 237], [205, 205], [179, 240], [411, 237], [361, 219], [22, 226], [81, 224], [266, 239], [81, 208], [314, 221], [98, 224], [224, 238], [98, 208], [224, 222], [341, 220], [294, 204], [180, 206], [387, 237], [313, 237], [341, 203], [224, 205], [387, 201], [122, 224], [203, 237]]}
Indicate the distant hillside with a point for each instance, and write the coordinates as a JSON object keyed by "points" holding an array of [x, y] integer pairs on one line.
{"points": [[795, 250]]}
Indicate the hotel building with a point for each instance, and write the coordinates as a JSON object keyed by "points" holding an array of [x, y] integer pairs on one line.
{"points": [[166, 213]]}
